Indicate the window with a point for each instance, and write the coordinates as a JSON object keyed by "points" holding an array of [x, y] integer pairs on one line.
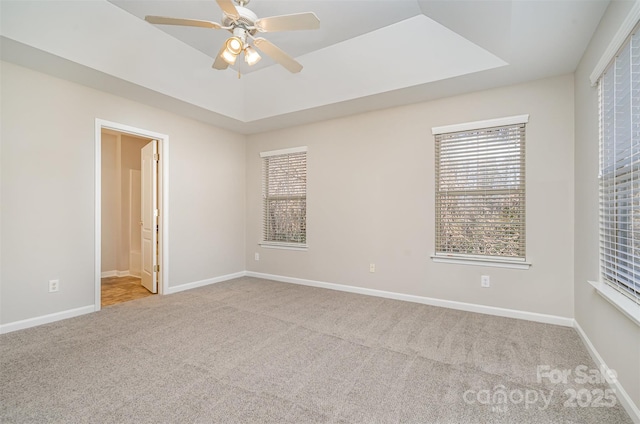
{"points": [[620, 170], [480, 190], [284, 197]]}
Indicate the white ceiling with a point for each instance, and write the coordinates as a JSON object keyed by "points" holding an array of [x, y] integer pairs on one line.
{"points": [[340, 21], [368, 54]]}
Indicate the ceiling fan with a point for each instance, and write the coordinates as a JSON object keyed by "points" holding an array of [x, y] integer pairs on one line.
{"points": [[243, 24]]}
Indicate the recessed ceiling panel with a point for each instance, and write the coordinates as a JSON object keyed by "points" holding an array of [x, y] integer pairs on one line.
{"points": [[486, 23], [415, 51]]}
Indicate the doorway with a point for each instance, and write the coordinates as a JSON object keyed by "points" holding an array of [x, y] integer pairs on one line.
{"points": [[131, 213]]}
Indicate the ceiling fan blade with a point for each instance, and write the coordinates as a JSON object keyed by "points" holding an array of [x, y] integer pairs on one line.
{"points": [[228, 8], [220, 63], [294, 22], [278, 55], [161, 20]]}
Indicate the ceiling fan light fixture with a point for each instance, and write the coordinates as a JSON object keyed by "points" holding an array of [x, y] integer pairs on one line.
{"points": [[228, 57], [251, 56], [234, 45], [232, 48]]}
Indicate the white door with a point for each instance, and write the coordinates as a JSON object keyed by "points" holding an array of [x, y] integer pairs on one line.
{"points": [[149, 221]]}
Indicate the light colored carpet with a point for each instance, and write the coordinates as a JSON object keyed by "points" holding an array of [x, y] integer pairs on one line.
{"points": [[259, 351]]}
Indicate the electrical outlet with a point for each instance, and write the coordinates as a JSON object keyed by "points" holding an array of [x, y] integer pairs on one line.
{"points": [[257, 256], [54, 285], [485, 281], [372, 267]]}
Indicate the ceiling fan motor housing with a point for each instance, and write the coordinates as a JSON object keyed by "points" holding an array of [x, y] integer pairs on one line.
{"points": [[247, 19]]}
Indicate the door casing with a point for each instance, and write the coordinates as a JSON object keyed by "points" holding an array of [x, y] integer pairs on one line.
{"points": [[163, 201]]}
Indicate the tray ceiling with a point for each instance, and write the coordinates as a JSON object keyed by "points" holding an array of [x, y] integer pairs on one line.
{"points": [[367, 55]]}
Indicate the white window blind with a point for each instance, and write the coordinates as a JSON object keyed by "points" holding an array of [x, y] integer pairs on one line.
{"points": [[284, 191], [619, 89], [480, 192]]}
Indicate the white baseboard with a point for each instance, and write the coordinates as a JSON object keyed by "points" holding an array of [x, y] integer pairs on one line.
{"points": [[469, 307], [107, 274], [451, 304], [45, 319], [201, 283], [624, 398]]}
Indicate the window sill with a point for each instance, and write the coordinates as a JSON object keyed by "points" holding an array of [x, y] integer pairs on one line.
{"points": [[496, 263], [284, 246], [625, 305]]}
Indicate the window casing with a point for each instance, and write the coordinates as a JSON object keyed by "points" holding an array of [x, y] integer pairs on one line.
{"points": [[619, 177], [480, 190], [284, 198]]}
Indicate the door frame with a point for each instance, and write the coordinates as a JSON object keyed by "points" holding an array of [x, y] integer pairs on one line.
{"points": [[163, 202]]}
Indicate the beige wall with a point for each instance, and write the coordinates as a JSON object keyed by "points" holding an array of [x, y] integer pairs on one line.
{"points": [[613, 335], [120, 156], [110, 203], [130, 228], [371, 200], [47, 185]]}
